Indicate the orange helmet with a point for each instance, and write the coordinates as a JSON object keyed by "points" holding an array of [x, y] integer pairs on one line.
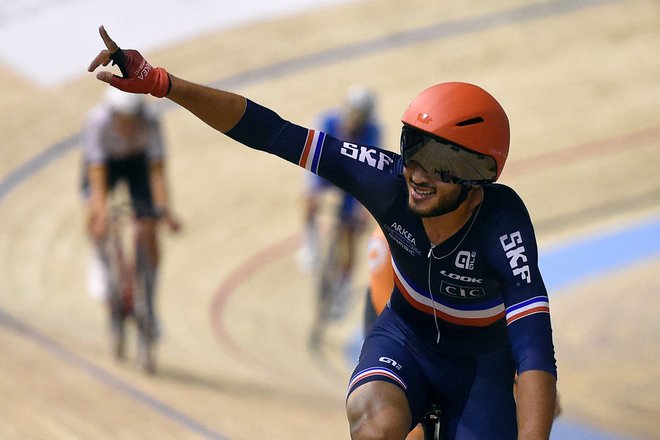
{"points": [[465, 115]]}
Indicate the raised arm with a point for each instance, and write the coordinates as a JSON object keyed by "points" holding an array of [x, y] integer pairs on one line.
{"points": [[219, 109]]}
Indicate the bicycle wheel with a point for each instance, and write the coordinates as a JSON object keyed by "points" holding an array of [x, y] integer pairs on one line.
{"points": [[336, 275], [333, 292], [144, 310], [113, 260]]}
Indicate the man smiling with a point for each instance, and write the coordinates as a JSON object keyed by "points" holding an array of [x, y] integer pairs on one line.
{"points": [[445, 216]]}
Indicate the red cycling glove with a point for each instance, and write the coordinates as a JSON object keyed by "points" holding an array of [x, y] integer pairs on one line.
{"points": [[138, 75]]}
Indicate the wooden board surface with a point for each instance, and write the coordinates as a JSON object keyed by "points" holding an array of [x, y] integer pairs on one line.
{"points": [[580, 83]]}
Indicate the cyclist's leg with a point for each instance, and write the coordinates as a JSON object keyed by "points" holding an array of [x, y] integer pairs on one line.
{"points": [[344, 247], [146, 258], [337, 272], [107, 275], [350, 217], [387, 393], [309, 254], [478, 391], [97, 271], [141, 198], [144, 307], [146, 234]]}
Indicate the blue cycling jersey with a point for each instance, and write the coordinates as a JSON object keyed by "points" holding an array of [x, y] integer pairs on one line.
{"points": [[331, 123], [477, 292]]}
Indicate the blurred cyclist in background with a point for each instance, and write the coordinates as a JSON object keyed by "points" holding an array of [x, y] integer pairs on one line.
{"points": [[122, 141], [355, 122]]}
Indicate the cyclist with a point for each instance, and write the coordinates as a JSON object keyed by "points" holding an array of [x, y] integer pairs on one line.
{"points": [[354, 122], [470, 307], [122, 141], [381, 284]]}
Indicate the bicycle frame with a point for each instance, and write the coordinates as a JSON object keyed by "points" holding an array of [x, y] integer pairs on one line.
{"points": [[120, 275], [131, 285], [144, 281], [431, 423], [331, 301]]}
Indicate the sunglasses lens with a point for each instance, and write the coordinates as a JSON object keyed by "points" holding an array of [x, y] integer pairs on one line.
{"points": [[450, 163], [411, 142]]}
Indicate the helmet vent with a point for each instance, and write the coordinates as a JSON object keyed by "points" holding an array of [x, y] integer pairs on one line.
{"points": [[472, 121]]}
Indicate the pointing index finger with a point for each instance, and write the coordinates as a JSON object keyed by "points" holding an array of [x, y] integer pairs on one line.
{"points": [[109, 43]]}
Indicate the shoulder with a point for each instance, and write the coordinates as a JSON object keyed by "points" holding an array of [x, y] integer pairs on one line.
{"points": [[504, 208], [501, 190], [502, 197]]}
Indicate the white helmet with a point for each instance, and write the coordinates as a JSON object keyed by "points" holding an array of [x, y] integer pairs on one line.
{"points": [[360, 100], [122, 102]]}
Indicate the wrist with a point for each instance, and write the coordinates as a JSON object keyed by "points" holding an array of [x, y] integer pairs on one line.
{"points": [[162, 83], [169, 83]]}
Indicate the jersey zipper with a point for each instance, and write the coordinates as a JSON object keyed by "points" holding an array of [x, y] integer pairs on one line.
{"points": [[431, 257], [435, 316]]}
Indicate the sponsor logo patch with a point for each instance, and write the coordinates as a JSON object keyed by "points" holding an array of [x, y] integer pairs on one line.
{"points": [[465, 259], [462, 292]]}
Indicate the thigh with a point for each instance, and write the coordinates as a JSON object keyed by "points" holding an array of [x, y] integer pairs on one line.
{"points": [[478, 397], [136, 173], [387, 356]]}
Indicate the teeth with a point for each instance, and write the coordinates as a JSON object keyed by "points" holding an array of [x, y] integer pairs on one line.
{"points": [[423, 192]]}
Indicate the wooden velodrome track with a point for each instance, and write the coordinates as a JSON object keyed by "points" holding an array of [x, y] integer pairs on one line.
{"points": [[580, 83]]}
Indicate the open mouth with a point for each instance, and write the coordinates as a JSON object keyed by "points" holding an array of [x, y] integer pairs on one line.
{"points": [[421, 191]]}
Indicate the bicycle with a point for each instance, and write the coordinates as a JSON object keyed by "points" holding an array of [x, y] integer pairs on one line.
{"points": [[130, 286], [431, 423], [333, 285]]}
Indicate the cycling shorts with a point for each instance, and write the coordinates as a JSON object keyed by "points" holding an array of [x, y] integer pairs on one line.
{"points": [[474, 391], [133, 170]]}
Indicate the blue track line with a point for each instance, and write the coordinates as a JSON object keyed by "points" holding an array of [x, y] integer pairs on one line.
{"points": [[590, 257]]}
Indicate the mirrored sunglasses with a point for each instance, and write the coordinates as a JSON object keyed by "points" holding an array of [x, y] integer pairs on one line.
{"points": [[445, 160]]}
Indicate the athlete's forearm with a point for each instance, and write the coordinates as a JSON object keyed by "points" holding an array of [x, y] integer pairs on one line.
{"points": [[535, 399], [97, 176], [219, 109], [159, 190]]}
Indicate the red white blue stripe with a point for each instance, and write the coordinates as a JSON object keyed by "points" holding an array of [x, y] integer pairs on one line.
{"points": [[538, 304], [481, 316], [375, 371], [311, 154]]}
